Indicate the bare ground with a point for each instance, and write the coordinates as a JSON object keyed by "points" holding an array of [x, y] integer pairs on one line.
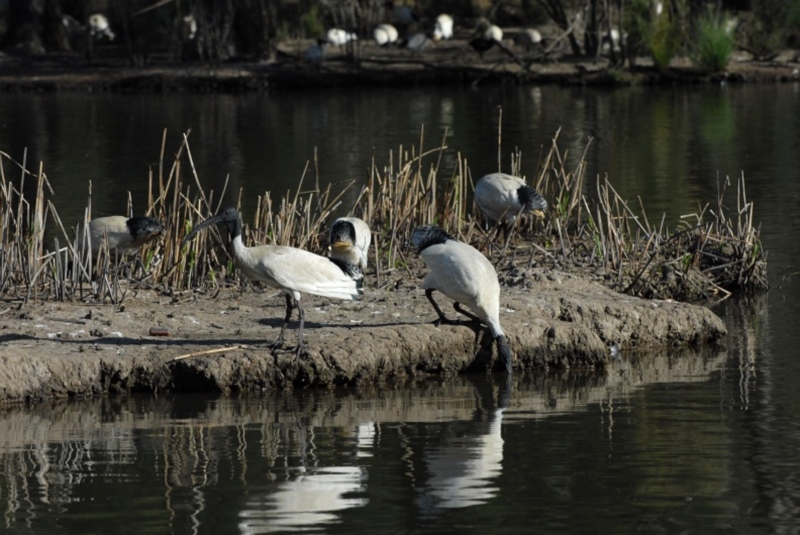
{"points": [[50, 349]]}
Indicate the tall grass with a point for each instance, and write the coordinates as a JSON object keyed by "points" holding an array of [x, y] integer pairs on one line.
{"points": [[714, 249], [714, 43]]}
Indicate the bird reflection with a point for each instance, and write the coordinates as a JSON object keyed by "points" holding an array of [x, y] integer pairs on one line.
{"points": [[311, 496], [463, 469], [310, 499]]}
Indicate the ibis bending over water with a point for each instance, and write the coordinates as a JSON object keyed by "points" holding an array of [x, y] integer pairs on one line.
{"points": [[463, 274], [125, 235], [350, 239], [503, 197], [292, 270]]}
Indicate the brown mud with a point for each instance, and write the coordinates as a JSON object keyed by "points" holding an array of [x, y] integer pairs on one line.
{"points": [[557, 321]]}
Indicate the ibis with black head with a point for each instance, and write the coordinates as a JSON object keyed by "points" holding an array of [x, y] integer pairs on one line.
{"points": [[502, 198], [124, 235], [349, 241], [289, 269], [466, 276]]}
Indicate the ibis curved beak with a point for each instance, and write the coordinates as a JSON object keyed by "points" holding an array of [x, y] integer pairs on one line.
{"points": [[200, 226]]}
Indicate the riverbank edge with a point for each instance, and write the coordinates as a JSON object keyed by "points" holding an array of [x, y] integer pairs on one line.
{"points": [[73, 350], [68, 73]]}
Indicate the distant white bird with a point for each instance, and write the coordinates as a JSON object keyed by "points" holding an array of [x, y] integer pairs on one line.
{"points": [[463, 274], [528, 38], [349, 240], [189, 28], [99, 27], [385, 34], [340, 37], [613, 40], [288, 269], [443, 28], [125, 235], [485, 37], [487, 30], [503, 197]]}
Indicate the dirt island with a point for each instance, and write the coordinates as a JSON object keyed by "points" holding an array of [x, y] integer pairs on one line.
{"points": [[194, 342]]}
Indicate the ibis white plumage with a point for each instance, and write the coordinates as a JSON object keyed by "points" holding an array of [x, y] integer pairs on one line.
{"points": [[340, 37], [486, 36], [124, 235], [100, 28], [291, 270], [443, 28], [349, 240], [463, 274], [503, 197], [385, 34]]}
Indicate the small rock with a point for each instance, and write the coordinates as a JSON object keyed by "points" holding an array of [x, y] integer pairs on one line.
{"points": [[159, 331]]}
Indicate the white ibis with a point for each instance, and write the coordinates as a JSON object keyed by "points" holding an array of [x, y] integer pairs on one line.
{"points": [[463, 274], [340, 37], [528, 38], [99, 27], [485, 37], [349, 239], [443, 29], [385, 34], [288, 269], [503, 197], [125, 235]]}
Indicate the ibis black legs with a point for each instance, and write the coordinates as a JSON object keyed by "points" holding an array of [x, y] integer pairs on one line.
{"points": [[442, 319], [290, 304]]}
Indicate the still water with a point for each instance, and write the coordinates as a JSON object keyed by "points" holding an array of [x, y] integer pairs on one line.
{"points": [[695, 441]]}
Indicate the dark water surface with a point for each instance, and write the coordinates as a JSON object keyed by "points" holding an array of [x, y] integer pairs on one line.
{"points": [[697, 441]]}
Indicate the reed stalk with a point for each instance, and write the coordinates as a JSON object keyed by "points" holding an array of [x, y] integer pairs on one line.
{"points": [[713, 251]]}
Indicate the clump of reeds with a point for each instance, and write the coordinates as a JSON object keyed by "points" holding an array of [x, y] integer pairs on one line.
{"points": [[711, 254]]}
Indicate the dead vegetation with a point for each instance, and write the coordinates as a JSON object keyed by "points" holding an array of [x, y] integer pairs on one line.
{"points": [[710, 254]]}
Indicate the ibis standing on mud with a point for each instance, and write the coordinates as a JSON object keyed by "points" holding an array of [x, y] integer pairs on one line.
{"points": [[124, 235], [292, 270], [463, 274], [349, 240], [503, 197]]}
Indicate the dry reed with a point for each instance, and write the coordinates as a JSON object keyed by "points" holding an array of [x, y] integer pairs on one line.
{"points": [[715, 251]]}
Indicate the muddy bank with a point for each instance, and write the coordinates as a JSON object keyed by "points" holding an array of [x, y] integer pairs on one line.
{"points": [[453, 62], [52, 350]]}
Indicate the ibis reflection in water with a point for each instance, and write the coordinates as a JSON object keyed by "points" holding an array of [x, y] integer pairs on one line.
{"points": [[463, 274], [289, 269]]}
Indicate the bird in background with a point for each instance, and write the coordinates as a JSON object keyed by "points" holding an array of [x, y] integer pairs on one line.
{"points": [[466, 276], [289, 269], [124, 235], [485, 37], [340, 37], [100, 28], [350, 238], [385, 34], [443, 28], [529, 39], [502, 198]]}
